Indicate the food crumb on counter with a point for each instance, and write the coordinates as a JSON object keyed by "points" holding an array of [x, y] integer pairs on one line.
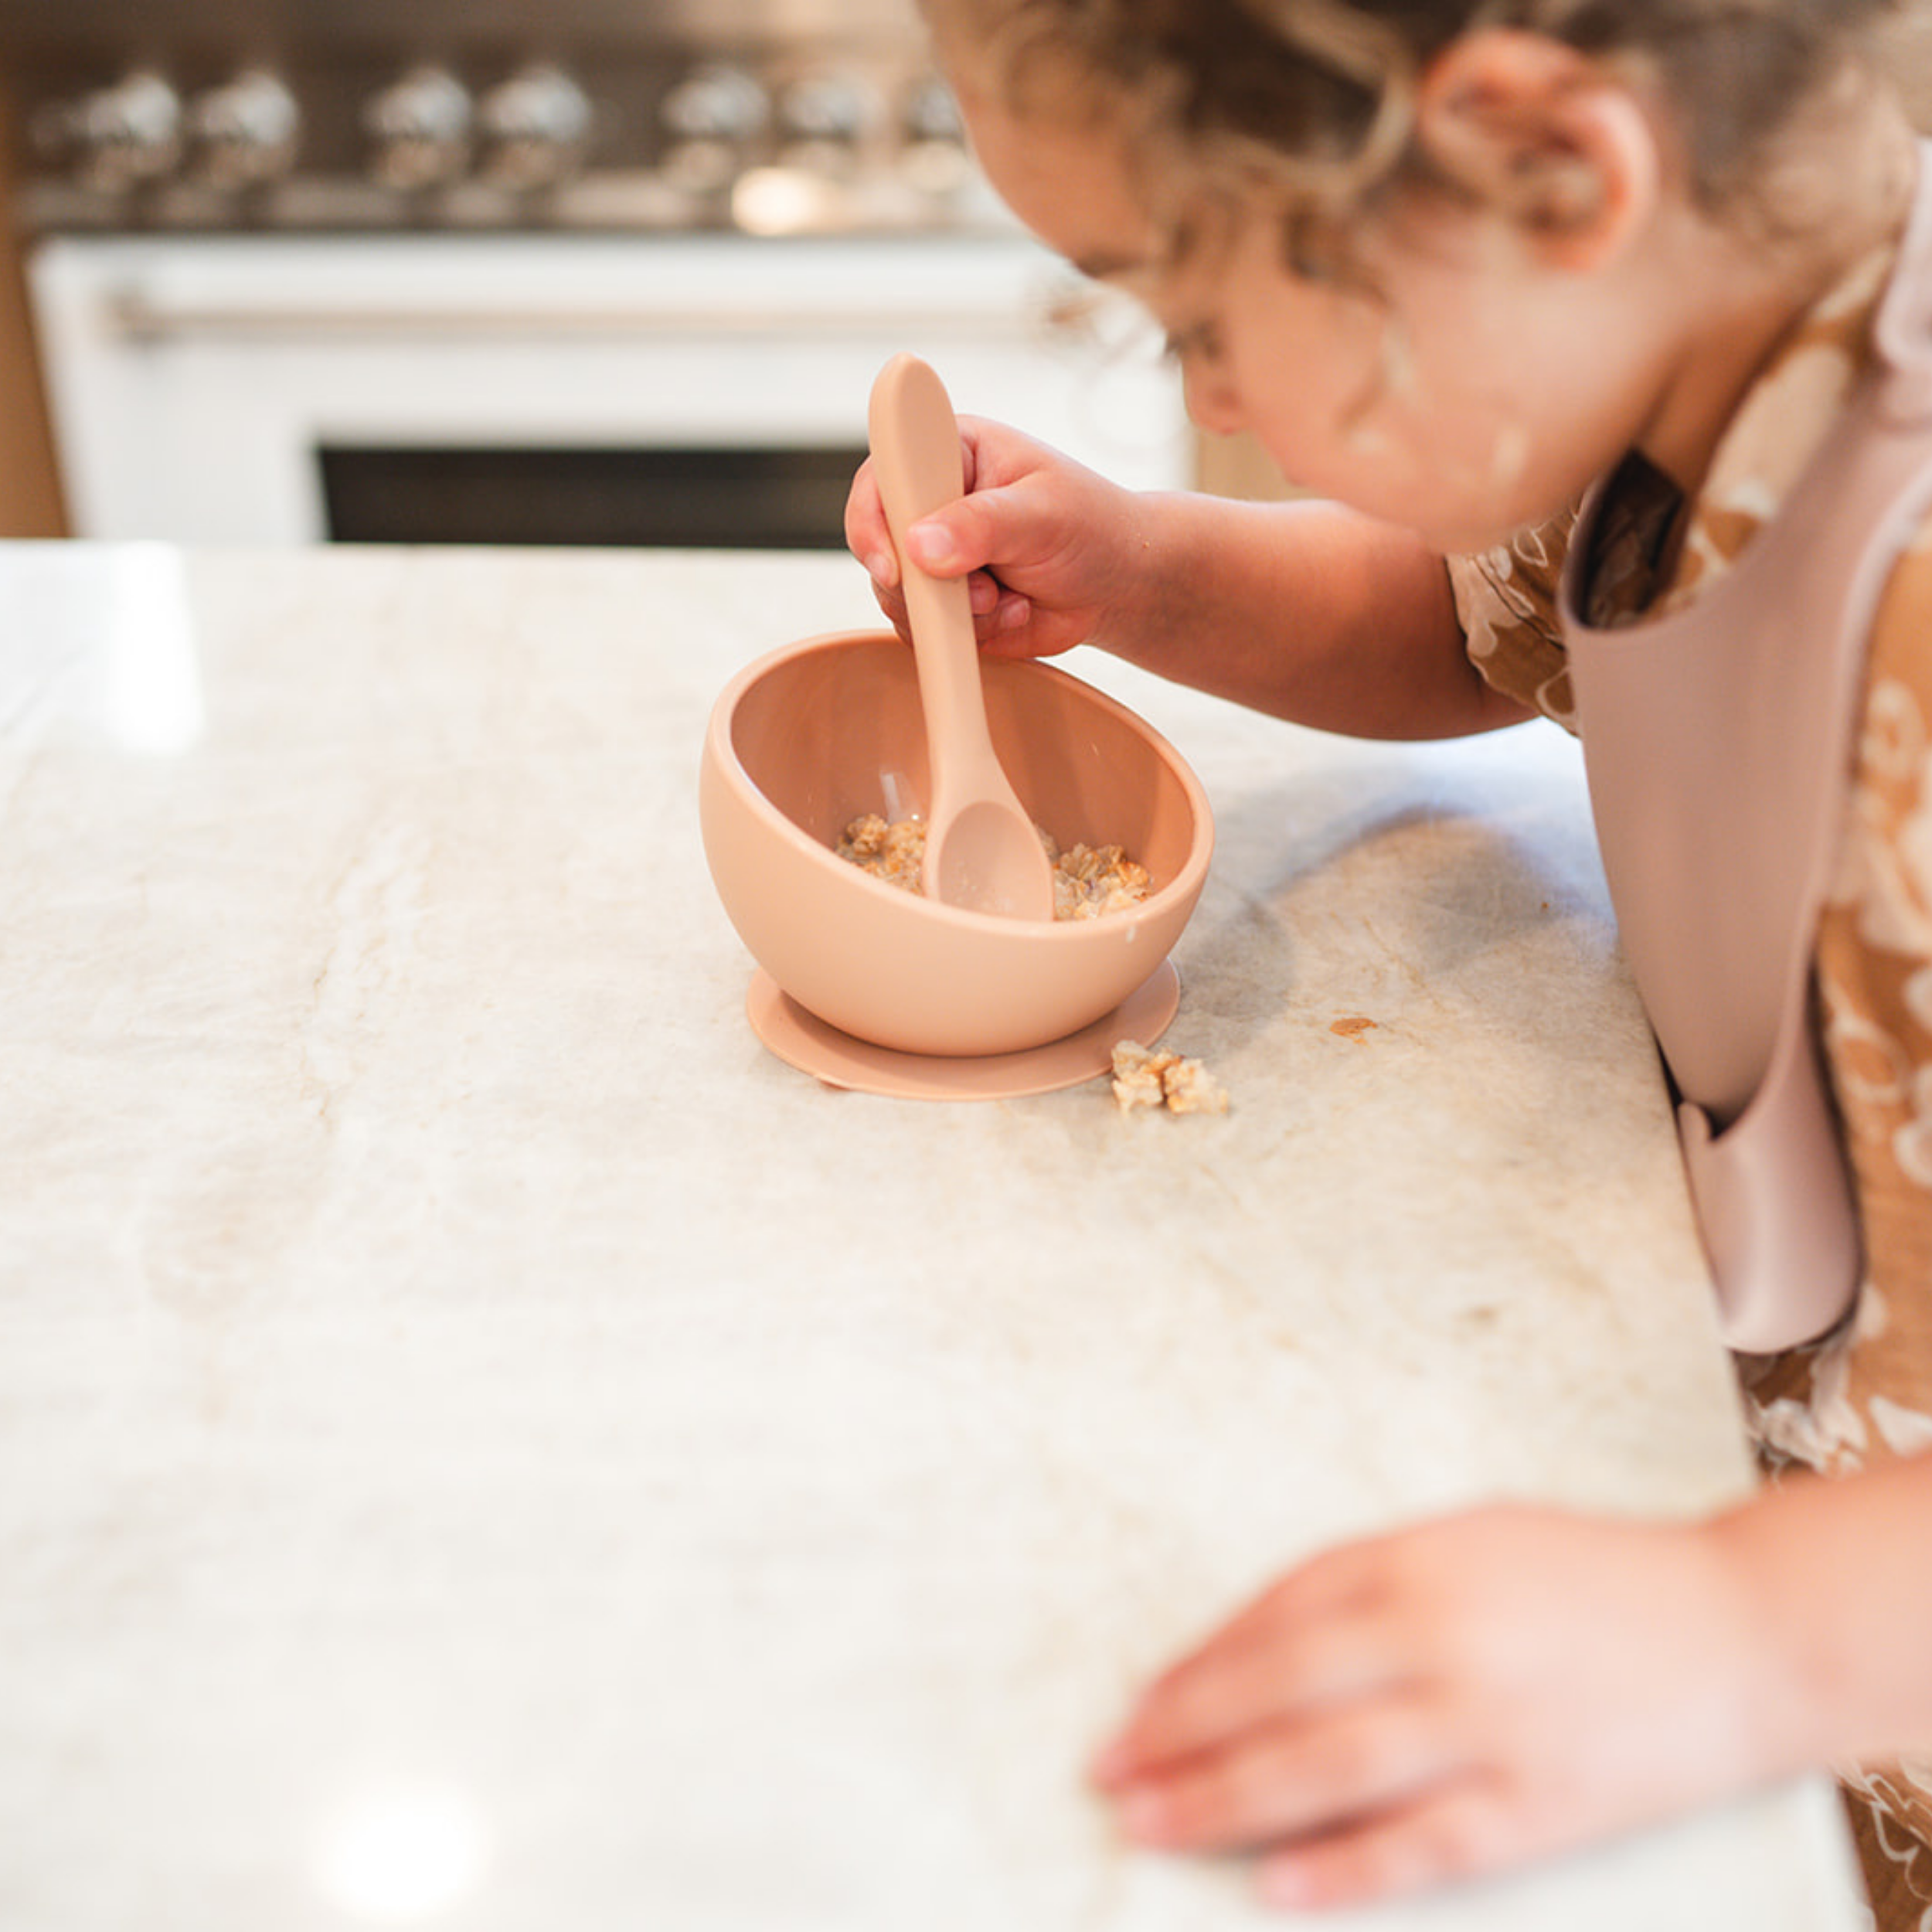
{"points": [[1143, 1078], [1089, 881], [1353, 1026]]}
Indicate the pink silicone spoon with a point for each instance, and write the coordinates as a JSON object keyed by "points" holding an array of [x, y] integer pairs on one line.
{"points": [[982, 852]]}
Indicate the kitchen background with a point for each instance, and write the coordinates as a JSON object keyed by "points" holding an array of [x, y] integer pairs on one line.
{"points": [[607, 271], [596, 270]]}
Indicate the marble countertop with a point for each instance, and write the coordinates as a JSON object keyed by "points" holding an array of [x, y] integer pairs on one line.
{"points": [[488, 1445]]}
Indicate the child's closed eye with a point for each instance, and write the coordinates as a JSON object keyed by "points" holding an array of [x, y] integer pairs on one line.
{"points": [[1197, 342]]}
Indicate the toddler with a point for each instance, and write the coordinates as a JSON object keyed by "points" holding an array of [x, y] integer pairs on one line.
{"points": [[1597, 333]]}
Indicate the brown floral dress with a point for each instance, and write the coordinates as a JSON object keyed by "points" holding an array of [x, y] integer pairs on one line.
{"points": [[1863, 1392]]}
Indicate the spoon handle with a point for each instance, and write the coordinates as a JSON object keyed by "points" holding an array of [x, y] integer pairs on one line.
{"points": [[915, 444], [982, 851]]}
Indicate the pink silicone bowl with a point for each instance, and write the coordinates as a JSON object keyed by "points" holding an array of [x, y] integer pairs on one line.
{"points": [[803, 740]]}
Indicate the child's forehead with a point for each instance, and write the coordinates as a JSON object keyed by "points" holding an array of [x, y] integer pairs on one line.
{"points": [[1075, 179]]}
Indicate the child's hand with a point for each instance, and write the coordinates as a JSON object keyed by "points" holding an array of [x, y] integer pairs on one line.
{"points": [[1043, 543], [1473, 1694]]}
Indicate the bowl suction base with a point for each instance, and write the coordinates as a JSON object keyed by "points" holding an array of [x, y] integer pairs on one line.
{"points": [[801, 1039]]}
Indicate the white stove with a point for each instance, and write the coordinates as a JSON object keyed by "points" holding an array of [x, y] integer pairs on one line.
{"points": [[589, 272]]}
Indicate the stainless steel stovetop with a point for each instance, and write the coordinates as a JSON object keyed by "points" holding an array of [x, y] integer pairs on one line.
{"points": [[348, 115]]}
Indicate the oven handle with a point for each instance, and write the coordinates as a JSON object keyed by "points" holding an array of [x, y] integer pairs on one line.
{"points": [[150, 318]]}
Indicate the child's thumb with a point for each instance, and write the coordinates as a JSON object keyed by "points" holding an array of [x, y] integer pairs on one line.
{"points": [[935, 547], [964, 537]]}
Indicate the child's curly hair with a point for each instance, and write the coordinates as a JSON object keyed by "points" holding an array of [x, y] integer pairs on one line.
{"points": [[1315, 97]]}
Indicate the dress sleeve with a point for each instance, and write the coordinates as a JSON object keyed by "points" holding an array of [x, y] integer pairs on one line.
{"points": [[1506, 601], [1874, 972], [1865, 1391], [1864, 1394]]}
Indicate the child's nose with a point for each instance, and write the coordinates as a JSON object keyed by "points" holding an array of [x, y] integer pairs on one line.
{"points": [[1211, 402]]}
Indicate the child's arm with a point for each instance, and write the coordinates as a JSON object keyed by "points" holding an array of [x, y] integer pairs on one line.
{"points": [[1498, 1687], [1840, 1573], [1304, 610]]}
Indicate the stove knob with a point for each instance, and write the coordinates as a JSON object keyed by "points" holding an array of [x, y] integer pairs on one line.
{"points": [[716, 103], [247, 131], [934, 158], [931, 112], [536, 126], [122, 136], [828, 109], [711, 119], [421, 127]]}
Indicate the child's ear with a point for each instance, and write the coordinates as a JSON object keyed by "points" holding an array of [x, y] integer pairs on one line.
{"points": [[1547, 136]]}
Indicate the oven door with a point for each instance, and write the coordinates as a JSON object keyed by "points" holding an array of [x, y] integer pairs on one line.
{"points": [[692, 390]]}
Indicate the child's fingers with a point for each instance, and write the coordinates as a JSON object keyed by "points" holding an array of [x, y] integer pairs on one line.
{"points": [[866, 536], [1303, 1776], [1455, 1831], [1003, 628], [997, 612], [931, 542], [1280, 1659], [999, 530]]}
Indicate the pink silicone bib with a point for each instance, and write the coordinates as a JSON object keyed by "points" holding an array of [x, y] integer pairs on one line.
{"points": [[1718, 742]]}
